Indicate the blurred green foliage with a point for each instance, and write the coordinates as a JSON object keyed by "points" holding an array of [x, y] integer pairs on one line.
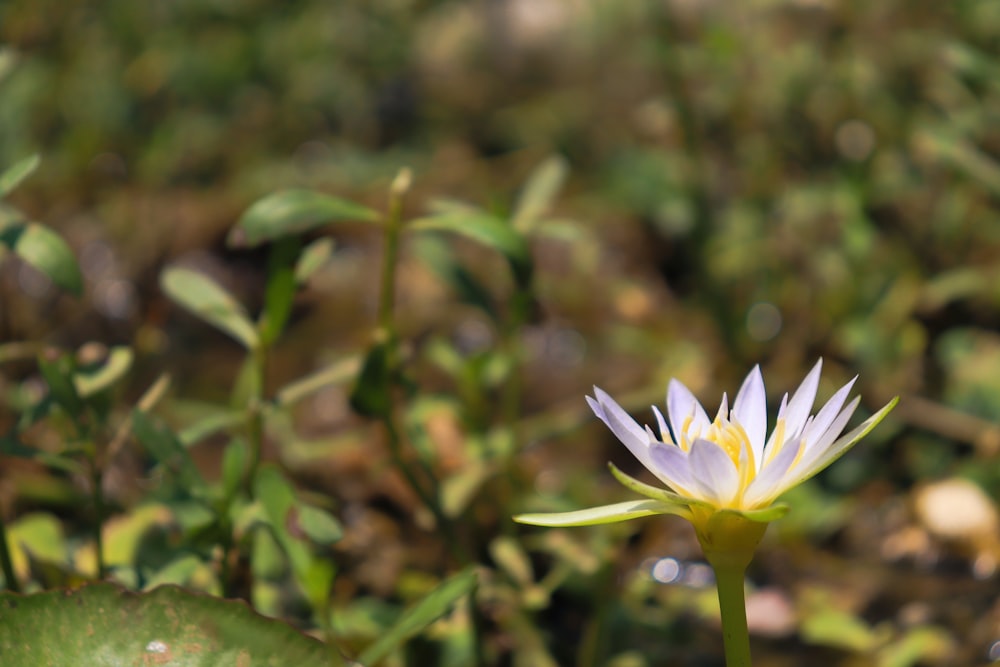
{"points": [[603, 192]]}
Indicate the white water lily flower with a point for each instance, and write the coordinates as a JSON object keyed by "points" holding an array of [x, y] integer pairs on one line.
{"points": [[728, 464]]}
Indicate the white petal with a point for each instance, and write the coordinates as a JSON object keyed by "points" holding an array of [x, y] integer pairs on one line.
{"points": [[822, 440], [672, 466], [624, 427], [770, 482], [662, 424], [823, 452], [723, 412], [801, 402], [750, 410], [714, 474], [682, 404], [821, 422]]}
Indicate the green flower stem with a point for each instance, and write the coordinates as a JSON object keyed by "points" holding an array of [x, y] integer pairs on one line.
{"points": [[6, 563], [729, 540], [732, 604]]}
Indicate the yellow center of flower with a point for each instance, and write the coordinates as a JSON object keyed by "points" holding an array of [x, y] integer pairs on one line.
{"points": [[732, 438]]}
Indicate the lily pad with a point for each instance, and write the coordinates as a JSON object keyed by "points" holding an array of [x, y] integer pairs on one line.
{"points": [[103, 624]]}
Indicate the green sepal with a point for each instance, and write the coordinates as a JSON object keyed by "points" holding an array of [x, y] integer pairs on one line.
{"points": [[632, 509], [762, 515], [655, 492]]}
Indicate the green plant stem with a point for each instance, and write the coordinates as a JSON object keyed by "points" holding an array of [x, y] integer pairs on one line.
{"points": [[6, 563], [390, 256], [256, 423], [98, 500], [387, 328], [732, 604]]}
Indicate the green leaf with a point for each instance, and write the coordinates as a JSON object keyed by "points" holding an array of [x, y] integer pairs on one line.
{"points": [[204, 298], [312, 258], [213, 423], [510, 556], [371, 394], [89, 381], [280, 292], [15, 175], [539, 190], [319, 525], [167, 449], [420, 615], [763, 515], [632, 509], [284, 516], [234, 466], [45, 250], [291, 212], [654, 492], [437, 256], [338, 372], [102, 624], [485, 229], [58, 369], [38, 535]]}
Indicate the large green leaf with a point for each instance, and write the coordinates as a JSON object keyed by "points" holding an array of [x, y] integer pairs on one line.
{"points": [[422, 614], [206, 299], [292, 212], [102, 625], [45, 250]]}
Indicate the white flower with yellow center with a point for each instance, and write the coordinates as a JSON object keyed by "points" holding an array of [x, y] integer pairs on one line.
{"points": [[728, 465]]}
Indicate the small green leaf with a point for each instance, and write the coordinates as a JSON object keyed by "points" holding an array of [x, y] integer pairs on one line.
{"points": [[280, 292], [277, 496], [437, 256], [653, 492], [234, 465], [371, 394], [458, 490], [485, 229], [539, 190], [89, 381], [338, 372], [290, 212], [102, 624], [211, 424], [632, 509], [58, 369], [15, 175], [321, 527], [763, 515], [312, 258], [419, 616], [167, 449], [45, 250], [204, 298], [36, 534], [511, 557]]}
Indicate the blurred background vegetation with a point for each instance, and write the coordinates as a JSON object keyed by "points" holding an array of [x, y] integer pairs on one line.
{"points": [[766, 181]]}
